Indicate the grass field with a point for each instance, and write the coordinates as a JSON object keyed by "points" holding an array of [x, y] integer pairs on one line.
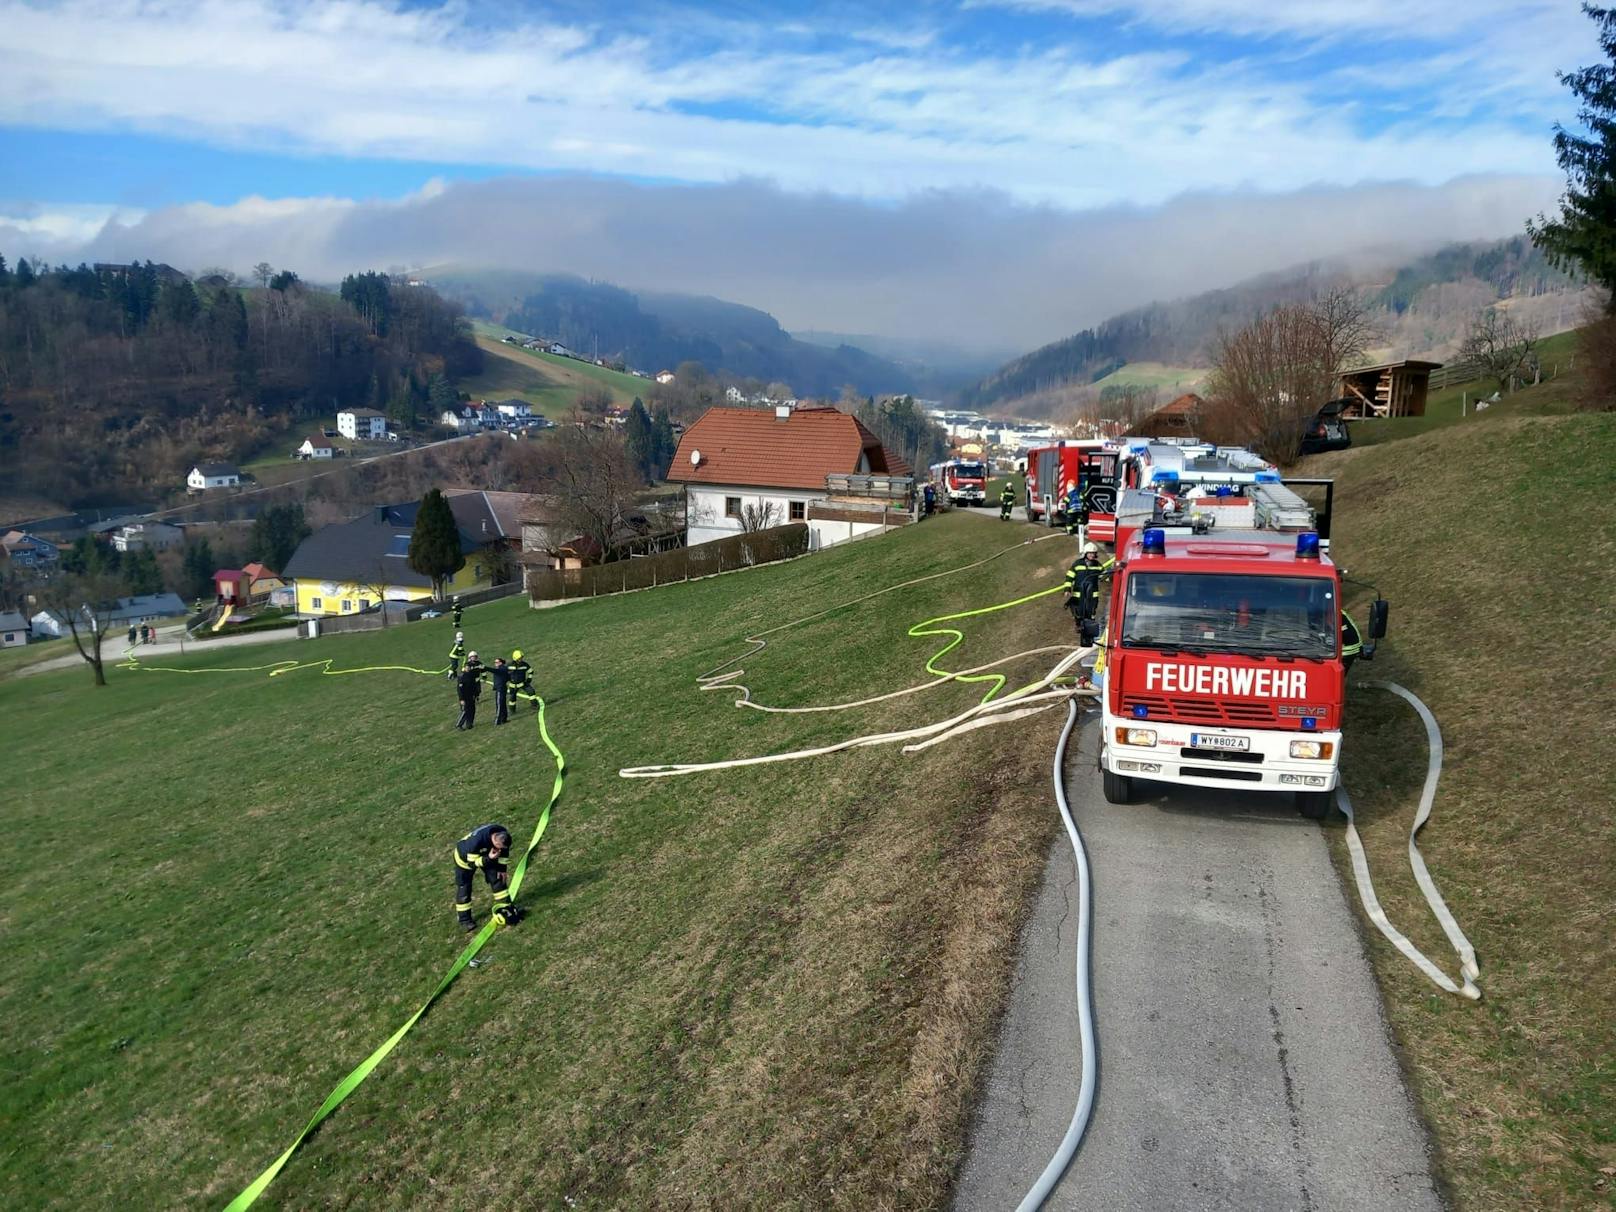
{"points": [[1155, 374], [13, 659], [1495, 543], [1457, 405], [548, 382], [766, 988]]}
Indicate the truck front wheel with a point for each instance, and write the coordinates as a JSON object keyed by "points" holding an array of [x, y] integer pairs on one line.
{"points": [[1118, 788], [1314, 805]]}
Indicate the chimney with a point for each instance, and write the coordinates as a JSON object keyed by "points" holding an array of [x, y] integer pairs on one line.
{"points": [[782, 412]]}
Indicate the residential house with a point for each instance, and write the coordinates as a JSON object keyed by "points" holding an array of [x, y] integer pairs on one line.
{"points": [[550, 542], [734, 394], [212, 475], [469, 418], [262, 581], [556, 347], [14, 631], [746, 468], [1180, 418], [362, 425], [26, 550], [514, 410], [316, 447], [249, 585], [664, 376], [149, 536], [355, 565], [142, 608]]}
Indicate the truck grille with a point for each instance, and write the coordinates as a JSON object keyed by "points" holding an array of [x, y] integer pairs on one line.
{"points": [[1226, 772], [1205, 711]]}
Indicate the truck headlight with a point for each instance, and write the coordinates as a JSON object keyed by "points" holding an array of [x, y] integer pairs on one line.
{"points": [[1312, 749], [1136, 736]]}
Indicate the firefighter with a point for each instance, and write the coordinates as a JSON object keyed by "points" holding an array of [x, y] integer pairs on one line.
{"points": [[1007, 499], [457, 613], [522, 679], [468, 687], [1083, 583], [1351, 642], [457, 651], [1076, 516], [486, 849], [928, 499], [500, 676]]}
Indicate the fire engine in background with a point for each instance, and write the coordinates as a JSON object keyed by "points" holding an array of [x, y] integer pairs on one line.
{"points": [[1090, 466], [1223, 663], [1174, 463], [961, 481]]}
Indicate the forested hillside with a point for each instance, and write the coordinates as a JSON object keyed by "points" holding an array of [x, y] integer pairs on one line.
{"points": [[1420, 308], [651, 332], [114, 379]]}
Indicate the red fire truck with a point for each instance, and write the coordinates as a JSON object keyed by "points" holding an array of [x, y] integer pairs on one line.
{"points": [[1222, 662], [961, 481], [1088, 466]]}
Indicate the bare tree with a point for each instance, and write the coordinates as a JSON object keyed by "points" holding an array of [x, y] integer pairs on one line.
{"points": [[1501, 345], [593, 481], [86, 604], [1271, 376], [1348, 331], [263, 271], [759, 516]]}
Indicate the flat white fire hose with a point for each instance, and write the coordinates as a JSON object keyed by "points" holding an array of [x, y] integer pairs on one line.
{"points": [[1469, 971]]}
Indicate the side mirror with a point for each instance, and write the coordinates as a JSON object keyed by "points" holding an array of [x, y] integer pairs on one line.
{"points": [[1378, 610], [1088, 631]]}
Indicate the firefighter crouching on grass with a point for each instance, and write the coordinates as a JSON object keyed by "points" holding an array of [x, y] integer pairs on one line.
{"points": [[487, 849], [1083, 583], [1007, 499]]}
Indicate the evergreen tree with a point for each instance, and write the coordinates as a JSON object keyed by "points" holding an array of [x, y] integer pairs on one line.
{"points": [[276, 534], [440, 394], [180, 304], [142, 572], [1584, 233], [639, 436], [664, 442], [284, 281], [5, 274], [24, 274], [435, 541], [198, 568]]}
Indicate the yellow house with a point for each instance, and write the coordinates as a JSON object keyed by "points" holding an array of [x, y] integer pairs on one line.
{"points": [[345, 568]]}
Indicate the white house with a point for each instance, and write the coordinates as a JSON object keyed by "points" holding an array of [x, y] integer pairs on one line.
{"points": [[734, 394], [156, 536], [664, 376], [750, 468], [556, 347], [13, 630], [362, 424], [515, 410], [316, 447], [212, 475]]}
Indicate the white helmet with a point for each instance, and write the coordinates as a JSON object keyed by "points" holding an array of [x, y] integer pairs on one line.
{"points": [[1090, 549], [460, 635]]}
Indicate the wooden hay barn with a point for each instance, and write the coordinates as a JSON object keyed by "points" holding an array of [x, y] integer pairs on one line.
{"points": [[1391, 389]]}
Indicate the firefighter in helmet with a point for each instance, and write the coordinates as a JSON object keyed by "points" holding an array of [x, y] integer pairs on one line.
{"points": [[522, 679], [1083, 583], [1007, 499]]}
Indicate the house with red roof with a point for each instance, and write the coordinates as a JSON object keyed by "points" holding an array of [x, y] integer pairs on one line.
{"points": [[750, 468]]}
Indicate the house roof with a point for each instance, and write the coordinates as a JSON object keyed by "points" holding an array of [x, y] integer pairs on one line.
{"points": [[12, 621], [362, 412], [217, 469], [506, 508], [755, 447], [317, 440], [376, 545], [148, 604], [259, 572], [227, 574], [1404, 364]]}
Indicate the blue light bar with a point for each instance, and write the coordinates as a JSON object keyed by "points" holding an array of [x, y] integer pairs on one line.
{"points": [[1309, 723], [1307, 546], [1154, 541], [1223, 490], [1140, 711], [1163, 476], [1268, 477]]}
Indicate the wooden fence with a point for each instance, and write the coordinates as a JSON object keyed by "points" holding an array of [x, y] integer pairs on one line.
{"points": [[670, 567]]}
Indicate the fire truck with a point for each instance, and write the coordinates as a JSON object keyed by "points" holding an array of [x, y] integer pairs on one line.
{"points": [[961, 481], [1173, 464], [1090, 466], [1222, 649]]}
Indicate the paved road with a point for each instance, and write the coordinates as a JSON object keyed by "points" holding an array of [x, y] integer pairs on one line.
{"points": [[168, 644], [1244, 1061]]}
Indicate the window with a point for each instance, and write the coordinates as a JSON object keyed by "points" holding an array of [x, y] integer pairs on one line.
{"points": [[347, 605], [1210, 612], [799, 510], [732, 507], [315, 604]]}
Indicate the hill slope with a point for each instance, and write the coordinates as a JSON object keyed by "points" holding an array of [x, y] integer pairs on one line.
{"points": [[1421, 308], [797, 965], [657, 331], [1520, 1089]]}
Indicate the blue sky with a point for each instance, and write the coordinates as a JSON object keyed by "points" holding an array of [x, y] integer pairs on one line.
{"points": [[133, 108]]}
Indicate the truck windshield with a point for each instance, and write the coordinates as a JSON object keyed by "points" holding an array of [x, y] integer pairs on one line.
{"points": [[968, 471], [1218, 612]]}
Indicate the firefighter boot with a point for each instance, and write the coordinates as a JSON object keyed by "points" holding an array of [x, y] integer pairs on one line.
{"points": [[468, 923]]}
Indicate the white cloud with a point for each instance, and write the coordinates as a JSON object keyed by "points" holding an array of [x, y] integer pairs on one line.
{"points": [[61, 225], [871, 113], [977, 268]]}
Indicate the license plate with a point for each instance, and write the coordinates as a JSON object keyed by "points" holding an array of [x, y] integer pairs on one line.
{"points": [[1214, 740]]}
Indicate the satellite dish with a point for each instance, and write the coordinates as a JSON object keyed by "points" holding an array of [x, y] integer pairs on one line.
{"points": [[695, 458]]}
